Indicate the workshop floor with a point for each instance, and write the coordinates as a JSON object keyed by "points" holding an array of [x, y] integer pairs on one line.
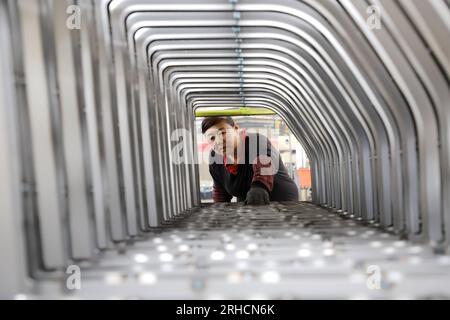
{"points": [[279, 251]]}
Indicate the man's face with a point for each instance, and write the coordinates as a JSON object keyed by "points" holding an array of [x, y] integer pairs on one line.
{"points": [[223, 138]]}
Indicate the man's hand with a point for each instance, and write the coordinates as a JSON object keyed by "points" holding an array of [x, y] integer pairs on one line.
{"points": [[257, 195]]}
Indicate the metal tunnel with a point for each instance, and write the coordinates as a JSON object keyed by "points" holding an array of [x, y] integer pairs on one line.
{"points": [[95, 95]]}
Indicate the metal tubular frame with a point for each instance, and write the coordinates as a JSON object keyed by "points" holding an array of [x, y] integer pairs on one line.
{"points": [[103, 111]]}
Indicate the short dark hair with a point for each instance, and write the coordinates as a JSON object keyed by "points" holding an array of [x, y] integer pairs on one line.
{"points": [[208, 122]]}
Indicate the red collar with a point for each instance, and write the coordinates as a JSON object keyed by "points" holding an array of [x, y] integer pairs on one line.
{"points": [[233, 168]]}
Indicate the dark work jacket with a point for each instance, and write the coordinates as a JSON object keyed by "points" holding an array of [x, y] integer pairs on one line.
{"points": [[226, 185]]}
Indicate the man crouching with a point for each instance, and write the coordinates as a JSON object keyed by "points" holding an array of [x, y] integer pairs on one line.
{"points": [[245, 165]]}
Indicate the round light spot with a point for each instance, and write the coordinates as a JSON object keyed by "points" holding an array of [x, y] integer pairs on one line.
{"points": [[161, 248], [217, 255], [328, 252], [242, 254], [147, 278], [270, 277], [140, 258], [183, 247], [230, 247], [252, 246], [165, 257], [304, 253]]}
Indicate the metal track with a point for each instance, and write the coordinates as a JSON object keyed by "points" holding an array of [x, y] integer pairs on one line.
{"points": [[281, 251]]}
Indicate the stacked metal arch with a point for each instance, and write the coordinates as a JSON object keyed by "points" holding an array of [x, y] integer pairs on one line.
{"points": [[89, 115]]}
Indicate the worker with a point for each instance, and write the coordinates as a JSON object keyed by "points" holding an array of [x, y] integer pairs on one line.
{"points": [[245, 165]]}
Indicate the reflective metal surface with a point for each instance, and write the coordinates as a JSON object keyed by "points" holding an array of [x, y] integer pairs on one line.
{"points": [[92, 93]]}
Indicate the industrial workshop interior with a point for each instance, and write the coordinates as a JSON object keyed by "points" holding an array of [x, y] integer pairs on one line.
{"points": [[106, 185]]}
